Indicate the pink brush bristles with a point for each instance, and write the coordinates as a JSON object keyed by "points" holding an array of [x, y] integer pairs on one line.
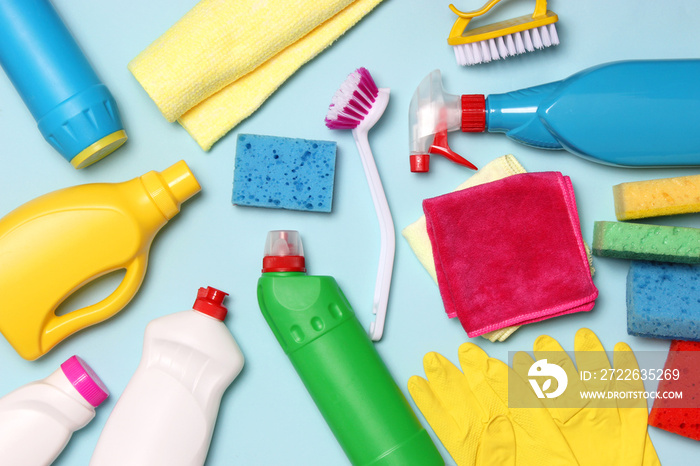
{"points": [[352, 101]]}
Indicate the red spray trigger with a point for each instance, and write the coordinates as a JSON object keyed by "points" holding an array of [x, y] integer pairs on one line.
{"points": [[421, 162], [441, 147]]}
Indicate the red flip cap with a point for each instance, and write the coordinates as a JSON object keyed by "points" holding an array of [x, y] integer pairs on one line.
{"points": [[209, 301]]}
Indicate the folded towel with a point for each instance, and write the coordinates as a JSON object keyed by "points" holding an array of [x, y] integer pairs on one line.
{"points": [[221, 60], [417, 234], [510, 252]]}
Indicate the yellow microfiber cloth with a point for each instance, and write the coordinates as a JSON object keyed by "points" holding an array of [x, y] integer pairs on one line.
{"points": [[224, 58], [417, 235]]}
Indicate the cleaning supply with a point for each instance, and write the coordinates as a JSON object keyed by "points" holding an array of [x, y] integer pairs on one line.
{"points": [[463, 406], [504, 38], [352, 388], [599, 431], [417, 234], [615, 113], [357, 105], [223, 59], [655, 198], [74, 110], [663, 300], [38, 419], [53, 245], [680, 375], [510, 252], [646, 242], [167, 412], [284, 173], [431, 114]]}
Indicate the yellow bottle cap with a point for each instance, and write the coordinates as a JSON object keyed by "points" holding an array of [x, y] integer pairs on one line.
{"points": [[171, 187], [182, 183], [99, 150]]}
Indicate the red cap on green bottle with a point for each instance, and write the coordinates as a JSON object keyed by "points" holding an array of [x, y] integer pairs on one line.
{"points": [[283, 252]]}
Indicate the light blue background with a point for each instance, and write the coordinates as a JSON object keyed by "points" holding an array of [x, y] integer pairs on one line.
{"points": [[267, 416]]}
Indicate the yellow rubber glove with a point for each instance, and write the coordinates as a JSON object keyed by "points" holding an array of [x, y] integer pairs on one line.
{"points": [[469, 413], [598, 431], [497, 443]]}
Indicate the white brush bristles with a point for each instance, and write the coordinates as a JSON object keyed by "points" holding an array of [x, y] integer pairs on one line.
{"points": [[352, 101], [506, 46], [343, 96]]}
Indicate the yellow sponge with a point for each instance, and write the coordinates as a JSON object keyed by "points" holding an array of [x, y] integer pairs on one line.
{"points": [[655, 198]]}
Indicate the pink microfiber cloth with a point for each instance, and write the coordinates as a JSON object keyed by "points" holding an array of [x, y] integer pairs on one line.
{"points": [[510, 252]]}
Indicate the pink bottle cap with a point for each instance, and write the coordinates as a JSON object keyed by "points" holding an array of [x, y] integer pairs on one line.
{"points": [[85, 381], [209, 301]]}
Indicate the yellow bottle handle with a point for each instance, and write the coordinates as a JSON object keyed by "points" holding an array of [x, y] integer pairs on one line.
{"points": [[60, 327]]}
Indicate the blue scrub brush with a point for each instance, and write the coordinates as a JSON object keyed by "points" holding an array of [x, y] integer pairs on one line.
{"points": [[358, 105]]}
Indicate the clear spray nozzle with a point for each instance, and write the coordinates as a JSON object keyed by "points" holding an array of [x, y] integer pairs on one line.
{"points": [[431, 115]]}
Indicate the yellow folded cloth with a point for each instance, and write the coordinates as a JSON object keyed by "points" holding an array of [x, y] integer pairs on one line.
{"points": [[417, 234], [221, 60]]}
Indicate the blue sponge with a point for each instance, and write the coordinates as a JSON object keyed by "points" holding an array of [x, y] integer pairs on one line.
{"points": [[284, 173], [663, 300]]}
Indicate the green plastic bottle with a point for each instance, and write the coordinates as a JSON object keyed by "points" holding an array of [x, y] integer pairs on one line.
{"points": [[337, 362]]}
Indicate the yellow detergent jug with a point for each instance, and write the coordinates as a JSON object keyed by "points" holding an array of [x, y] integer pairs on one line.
{"points": [[53, 245]]}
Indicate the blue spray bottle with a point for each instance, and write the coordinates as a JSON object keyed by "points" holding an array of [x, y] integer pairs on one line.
{"points": [[629, 113], [75, 112]]}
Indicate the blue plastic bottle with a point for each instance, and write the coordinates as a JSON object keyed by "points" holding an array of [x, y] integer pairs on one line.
{"points": [[633, 113], [75, 112]]}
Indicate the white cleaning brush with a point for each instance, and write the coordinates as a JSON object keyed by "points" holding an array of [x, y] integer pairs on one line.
{"points": [[503, 39], [358, 105]]}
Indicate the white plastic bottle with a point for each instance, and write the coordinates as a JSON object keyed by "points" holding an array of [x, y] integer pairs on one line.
{"points": [[38, 419], [167, 412]]}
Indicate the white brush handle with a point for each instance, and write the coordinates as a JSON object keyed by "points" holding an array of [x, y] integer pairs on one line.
{"points": [[386, 228]]}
